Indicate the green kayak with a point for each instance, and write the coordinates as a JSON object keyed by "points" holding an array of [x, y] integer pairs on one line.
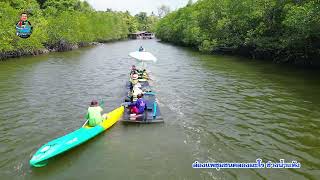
{"points": [[73, 139]]}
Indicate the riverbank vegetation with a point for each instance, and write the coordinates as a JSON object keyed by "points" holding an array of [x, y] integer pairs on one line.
{"points": [[145, 22], [62, 25], [285, 31]]}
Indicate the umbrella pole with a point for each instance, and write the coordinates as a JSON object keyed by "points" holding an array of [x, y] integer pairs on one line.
{"points": [[144, 65]]}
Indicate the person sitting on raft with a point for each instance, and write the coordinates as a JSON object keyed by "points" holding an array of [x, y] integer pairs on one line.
{"points": [[141, 49], [93, 115], [143, 74], [133, 80], [133, 70], [136, 90], [139, 106]]}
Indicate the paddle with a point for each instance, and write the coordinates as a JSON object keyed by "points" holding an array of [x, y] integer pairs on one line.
{"points": [[85, 123], [101, 104], [125, 104], [154, 110]]}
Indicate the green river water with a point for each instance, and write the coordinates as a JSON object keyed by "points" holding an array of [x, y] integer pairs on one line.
{"points": [[216, 109]]}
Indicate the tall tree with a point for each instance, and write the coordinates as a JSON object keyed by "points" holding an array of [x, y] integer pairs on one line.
{"points": [[142, 19], [61, 5], [287, 30], [163, 10], [41, 2], [190, 2]]}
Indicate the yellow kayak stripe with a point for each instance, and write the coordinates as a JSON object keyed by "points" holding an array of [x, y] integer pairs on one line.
{"points": [[113, 117]]}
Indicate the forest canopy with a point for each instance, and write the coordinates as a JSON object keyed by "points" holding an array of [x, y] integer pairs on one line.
{"points": [[281, 30], [68, 21]]}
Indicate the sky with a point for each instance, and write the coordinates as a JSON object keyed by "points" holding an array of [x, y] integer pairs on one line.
{"points": [[136, 6]]}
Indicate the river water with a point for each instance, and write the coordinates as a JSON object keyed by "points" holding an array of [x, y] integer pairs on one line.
{"points": [[216, 109]]}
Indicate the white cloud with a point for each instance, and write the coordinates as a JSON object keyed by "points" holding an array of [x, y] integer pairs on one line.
{"points": [[136, 6]]}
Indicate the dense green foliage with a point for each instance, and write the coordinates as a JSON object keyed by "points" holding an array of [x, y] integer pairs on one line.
{"points": [[70, 21], [145, 22], [287, 30]]}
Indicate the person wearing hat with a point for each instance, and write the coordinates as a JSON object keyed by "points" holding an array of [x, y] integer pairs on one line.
{"points": [[145, 74], [133, 70], [133, 80], [139, 106], [136, 90], [93, 115], [141, 49]]}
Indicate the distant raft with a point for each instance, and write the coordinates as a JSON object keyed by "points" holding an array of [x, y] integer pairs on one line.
{"points": [[139, 83]]}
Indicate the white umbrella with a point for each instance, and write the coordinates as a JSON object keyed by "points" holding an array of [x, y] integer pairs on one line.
{"points": [[143, 56]]}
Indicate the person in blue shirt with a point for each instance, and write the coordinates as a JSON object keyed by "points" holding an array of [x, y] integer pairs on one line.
{"points": [[139, 106]]}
